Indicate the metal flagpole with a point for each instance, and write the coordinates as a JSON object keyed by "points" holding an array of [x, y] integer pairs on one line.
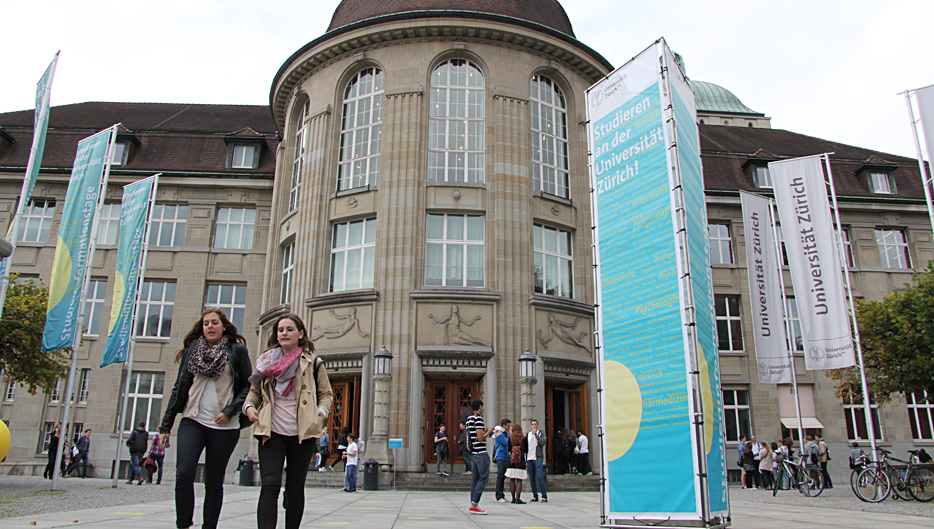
{"points": [[849, 292], [789, 329], [128, 366], [925, 181], [27, 183], [79, 328]]}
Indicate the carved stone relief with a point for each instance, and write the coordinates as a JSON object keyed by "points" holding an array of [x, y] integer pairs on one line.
{"points": [[455, 325], [555, 331], [341, 327]]}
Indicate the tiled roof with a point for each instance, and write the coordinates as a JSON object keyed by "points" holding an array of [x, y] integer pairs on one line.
{"points": [[548, 13], [725, 150], [172, 138]]}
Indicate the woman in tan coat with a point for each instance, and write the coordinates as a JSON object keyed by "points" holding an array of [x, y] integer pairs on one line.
{"points": [[289, 402]]}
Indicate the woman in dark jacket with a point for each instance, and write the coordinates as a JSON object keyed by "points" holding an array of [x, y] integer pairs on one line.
{"points": [[211, 386], [516, 471], [53, 451], [750, 465]]}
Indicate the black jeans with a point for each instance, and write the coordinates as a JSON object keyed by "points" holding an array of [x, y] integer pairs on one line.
{"points": [[501, 466], [50, 468], [272, 456], [217, 445]]}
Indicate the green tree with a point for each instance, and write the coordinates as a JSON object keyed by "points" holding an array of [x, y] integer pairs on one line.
{"points": [[21, 338], [897, 335]]}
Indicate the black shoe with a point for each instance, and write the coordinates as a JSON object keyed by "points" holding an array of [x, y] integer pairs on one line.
{"points": [[544, 500], [534, 500], [520, 502]]}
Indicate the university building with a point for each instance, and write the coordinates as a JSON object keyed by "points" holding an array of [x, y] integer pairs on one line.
{"points": [[419, 183]]}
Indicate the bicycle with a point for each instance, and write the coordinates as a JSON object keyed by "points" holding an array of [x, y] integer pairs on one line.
{"points": [[806, 478], [875, 482]]}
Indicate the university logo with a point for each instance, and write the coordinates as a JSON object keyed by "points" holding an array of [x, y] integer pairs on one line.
{"points": [[763, 370], [816, 353]]}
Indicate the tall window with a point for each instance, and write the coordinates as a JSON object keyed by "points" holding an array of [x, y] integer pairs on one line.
{"points": [[108, 224], [81, 388], [855, 416], [229, 298], [154, 312], [288, 267], [47, 429], [456, 140], [761, 177], [93, 307], [84, 386], [234, 229], [454, 253], [298, 159], [729, 323], [736, 414], [56, 394], [144, 401], [10, 392], [549, 137], [893, 247], [554, 263], [361, 130], [794, 322], [847, 248], [721, 244], [36, 221], [353, 255], [921, 415], [168, 225], [881, 184]]}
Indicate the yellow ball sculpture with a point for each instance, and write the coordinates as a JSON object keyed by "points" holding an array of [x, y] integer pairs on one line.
{"points": [[4, 440]]}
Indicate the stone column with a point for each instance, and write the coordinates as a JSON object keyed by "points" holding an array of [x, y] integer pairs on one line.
{"points": [[527, 402], [378, 445]]}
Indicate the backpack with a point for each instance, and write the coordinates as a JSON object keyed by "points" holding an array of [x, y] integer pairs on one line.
{"points": [[515, 456], [813, 458], [137, 442]]}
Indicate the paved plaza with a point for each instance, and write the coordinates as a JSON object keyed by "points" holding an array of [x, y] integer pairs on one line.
{"points": [[152, 507]]}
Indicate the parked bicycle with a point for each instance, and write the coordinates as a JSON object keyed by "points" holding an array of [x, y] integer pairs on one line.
{"points": [[878, 480], [806, 478]]}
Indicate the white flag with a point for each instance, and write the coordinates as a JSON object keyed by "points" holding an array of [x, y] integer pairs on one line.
{"points": [[925, 98], [803, 208], [765, 296]]}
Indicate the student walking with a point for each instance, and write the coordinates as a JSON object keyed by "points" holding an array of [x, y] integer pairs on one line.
{"points": [[501, 458], [289, 401], [52, 448], [477, 433], [350, 464], [157, 454], [536, 462], [212, 383], [441, 451], [137, 442]]}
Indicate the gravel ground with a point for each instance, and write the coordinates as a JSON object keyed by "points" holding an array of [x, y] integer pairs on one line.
{"points": [[839, 497], [21, 496]]}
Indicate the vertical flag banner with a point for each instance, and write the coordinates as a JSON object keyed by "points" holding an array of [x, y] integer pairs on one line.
{"points": [[74, 240], [647, 395], [807, 229], [925, 98], [765, 296], [134, 216]]}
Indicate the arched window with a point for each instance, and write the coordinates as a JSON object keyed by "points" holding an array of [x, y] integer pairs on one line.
{"points": [[456, 141], [361, 130], [549, 137], [298, 157]]}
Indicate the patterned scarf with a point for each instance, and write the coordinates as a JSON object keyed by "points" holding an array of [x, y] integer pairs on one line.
{"points": [[208, 361], [281, 367]]}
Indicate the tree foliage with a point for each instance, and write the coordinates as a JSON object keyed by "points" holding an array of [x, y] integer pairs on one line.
{"points": [[21, 329], [897, 336]]}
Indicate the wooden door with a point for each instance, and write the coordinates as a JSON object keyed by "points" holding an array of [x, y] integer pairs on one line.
{"points": [[345, 409], [566, 407], [447, 402]]}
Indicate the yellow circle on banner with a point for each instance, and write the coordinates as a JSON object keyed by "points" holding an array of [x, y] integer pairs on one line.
{"points": [[707, 399], [4, 440], [61, 274], [117, 307], [623, 409]]}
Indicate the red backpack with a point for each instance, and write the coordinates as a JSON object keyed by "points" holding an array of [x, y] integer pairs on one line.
{"points": [[515, 456]]}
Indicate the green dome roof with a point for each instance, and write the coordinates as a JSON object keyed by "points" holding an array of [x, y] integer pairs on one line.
{"points": [[716, 99]]}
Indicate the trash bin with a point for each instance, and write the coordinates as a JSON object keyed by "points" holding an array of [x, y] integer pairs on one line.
{"points": [[371, 475], [246, 471]]}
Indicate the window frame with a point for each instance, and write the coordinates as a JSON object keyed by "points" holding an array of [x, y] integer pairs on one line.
{"points": [[447, 244], [31, 215], [163, 305], [757, 176], [288, 270], [239, 162], [121, 153], [445, 126], [178, 224], [366, 249], [901, 247], [247, 228], [734, 322], [793, 322], [108, 225], [357, 137], [94, 306], [736, 410], [881, 183], [728, 240], [298, 158], [553, 164], [855, 414], [541, 257], [918, 409], [155, 393], [236, 312]]}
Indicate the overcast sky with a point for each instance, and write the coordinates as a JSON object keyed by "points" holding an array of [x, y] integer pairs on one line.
{"points": [[826, 68]]}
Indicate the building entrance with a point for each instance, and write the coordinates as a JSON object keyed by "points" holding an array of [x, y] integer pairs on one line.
{"points": [[345, 409], [565, 408], [447, 402]]}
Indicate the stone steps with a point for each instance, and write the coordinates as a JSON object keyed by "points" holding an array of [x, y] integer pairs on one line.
{"points": [[429, 481]]}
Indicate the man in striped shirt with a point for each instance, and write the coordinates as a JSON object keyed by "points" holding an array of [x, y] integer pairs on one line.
{"points": [[477, 433]]}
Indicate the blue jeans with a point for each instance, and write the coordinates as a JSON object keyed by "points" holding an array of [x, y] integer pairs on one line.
{"points": [[350, 477], [536, 470], [481, 475], [501, 466], [135, 472], [82, 456], [159, 460]]}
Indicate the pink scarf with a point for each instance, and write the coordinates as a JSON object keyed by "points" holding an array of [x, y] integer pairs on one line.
{"points": [[281, 367]]}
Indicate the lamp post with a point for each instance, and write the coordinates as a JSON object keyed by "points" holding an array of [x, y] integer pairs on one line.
{"points": [[382, 382], [527, 382]]}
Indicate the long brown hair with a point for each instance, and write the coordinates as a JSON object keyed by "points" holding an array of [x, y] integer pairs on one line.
{"points": [[303, 342], [197, 331]]}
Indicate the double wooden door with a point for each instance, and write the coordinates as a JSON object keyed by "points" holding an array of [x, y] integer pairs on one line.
{"points": [[345, 409], [565, 407], [447, 402]]}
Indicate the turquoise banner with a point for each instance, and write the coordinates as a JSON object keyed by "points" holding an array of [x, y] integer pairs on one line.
{"points": [[137, 201], [650, 461], [74, 238], [692, 182]]}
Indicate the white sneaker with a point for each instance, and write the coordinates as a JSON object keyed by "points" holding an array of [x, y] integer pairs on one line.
{"points": [[321, 469]]}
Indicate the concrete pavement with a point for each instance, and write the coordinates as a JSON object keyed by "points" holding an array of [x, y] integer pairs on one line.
{"points": [[326, 508]]}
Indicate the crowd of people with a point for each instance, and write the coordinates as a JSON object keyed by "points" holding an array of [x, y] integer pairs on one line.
{"points": [[760, 461]]}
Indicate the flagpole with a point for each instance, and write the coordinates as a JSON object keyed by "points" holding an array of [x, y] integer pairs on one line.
{"points": [[925, 181], [789, 329], [128, 366], [82, 299], [870, 427], [28, 182]]}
